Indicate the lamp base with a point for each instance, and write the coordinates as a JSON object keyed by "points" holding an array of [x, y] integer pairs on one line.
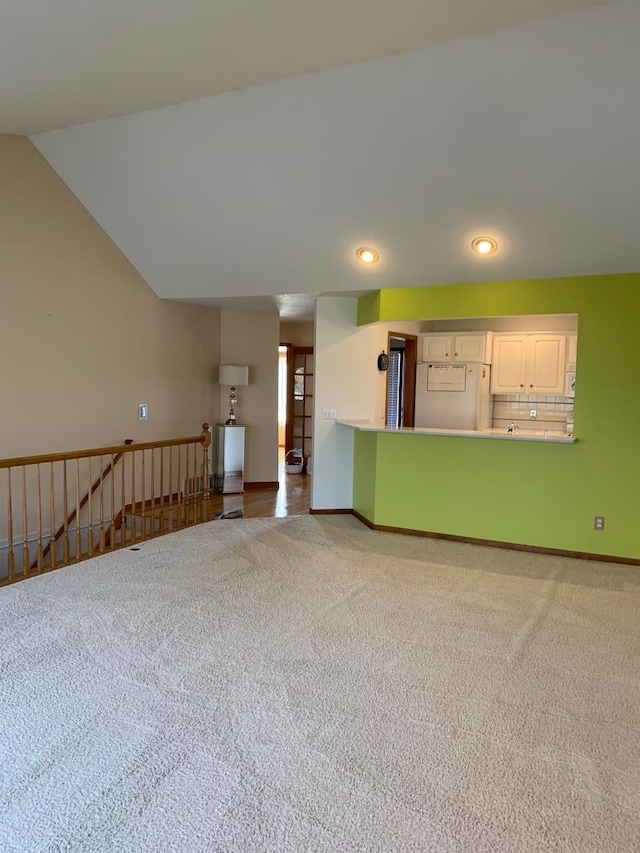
{"points": [[233, 402]]}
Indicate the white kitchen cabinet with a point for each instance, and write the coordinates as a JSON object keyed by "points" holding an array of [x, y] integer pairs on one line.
{"points": [[509, 364], [546, 361], [528, 364], [438, 348], [572, 351], [457, 348], [473, 348]]}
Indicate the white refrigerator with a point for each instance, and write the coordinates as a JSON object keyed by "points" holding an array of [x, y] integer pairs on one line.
{"points": [[453, 396]]}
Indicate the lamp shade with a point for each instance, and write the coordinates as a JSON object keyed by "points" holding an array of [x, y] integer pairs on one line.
{"points": [[233, 374]]}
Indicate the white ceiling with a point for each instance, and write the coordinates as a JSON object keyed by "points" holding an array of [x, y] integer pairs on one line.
{"points": [[73, 61], [289, 306], [530, 133]]}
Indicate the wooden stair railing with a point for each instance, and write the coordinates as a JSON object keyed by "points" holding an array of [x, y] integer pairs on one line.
{"points": [[156, 487], [97, 484]]}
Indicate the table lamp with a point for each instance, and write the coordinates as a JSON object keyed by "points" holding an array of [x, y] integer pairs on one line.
{"points": [[233, 375]]}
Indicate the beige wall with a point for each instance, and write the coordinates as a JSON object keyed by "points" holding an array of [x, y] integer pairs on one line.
{"points": [[298, 334], [83, 339], [252, 338]]}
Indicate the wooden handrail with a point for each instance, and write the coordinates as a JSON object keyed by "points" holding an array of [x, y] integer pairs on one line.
{"points": [[101, 451]]}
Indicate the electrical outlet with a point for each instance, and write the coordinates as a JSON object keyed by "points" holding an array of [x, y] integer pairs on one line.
{"points": [[598, 522], [328, 414], [533, 414]]}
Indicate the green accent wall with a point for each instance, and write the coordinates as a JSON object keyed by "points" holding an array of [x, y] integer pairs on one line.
{"points": [[364, 462], [527, 493]]}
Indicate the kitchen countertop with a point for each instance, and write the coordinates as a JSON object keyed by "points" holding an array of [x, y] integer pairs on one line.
{"points": [[552, 437]]}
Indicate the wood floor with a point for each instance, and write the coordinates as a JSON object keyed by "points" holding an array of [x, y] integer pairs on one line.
{"points": [[291, 498]]}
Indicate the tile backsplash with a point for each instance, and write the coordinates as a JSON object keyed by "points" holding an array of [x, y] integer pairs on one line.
{"points": [[553, 411]]}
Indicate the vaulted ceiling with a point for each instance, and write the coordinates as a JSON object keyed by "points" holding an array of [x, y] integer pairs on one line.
{"points": [[66, 62], [440, 131]]}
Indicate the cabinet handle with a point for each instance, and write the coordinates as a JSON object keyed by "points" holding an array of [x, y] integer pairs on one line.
{"points": [[531, 386], [455, 353], [447, 354], [522, 386]]}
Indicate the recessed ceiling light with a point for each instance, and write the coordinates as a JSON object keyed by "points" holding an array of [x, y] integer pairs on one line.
{"points": [[484, 245], [367, 255]]}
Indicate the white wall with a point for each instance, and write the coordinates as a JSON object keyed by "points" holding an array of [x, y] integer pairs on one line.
{"points": [[347, 380], [406, 327], [252, 338]]}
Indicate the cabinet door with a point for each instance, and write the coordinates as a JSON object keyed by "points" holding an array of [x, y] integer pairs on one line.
{"points": [[546, 364], [470, 348], [436, 347], [572, 350], [509, 364]]}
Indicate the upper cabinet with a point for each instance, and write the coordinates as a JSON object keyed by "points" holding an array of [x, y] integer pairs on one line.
{"points": [[458, 348], [436, 347], [508, 370], [529, 364]]}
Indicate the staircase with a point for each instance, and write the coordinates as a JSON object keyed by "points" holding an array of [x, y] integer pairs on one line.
{"points": [[66, 507]]}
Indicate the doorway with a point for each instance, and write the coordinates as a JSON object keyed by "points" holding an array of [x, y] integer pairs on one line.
{"points": [[401, 380], [283, 371], [295, 401]]}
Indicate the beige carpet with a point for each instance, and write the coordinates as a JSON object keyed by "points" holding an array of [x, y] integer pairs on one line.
{"points": [[306, 684]]}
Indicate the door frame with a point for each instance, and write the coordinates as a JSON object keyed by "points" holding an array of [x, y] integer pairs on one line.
{"points": [[292, 350]]}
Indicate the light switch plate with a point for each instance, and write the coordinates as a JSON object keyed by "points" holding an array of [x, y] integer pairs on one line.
{"points": [[328, 414], [143, 412]]}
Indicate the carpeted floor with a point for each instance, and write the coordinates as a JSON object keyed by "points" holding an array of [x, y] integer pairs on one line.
{"points": [[306, 684]]}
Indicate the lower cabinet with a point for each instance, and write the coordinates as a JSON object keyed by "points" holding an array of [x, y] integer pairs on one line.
{"points": [[528, 364]]}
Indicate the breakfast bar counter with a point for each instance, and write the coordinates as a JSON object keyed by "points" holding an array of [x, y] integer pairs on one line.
{"points": [[546, 436]]}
